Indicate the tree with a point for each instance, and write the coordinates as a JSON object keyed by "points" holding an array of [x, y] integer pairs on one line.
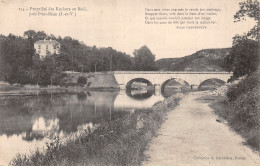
{"points": [[37, 68], [82, 80], [56, 75], [17, 53], [243, 58], [144, 59], [29, 34], [50, 72], [33, 36], [249, 9], [40, 35], [53, 37], [20, 64]]}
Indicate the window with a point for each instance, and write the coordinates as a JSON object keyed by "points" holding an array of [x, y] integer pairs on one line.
{"points": [[46, 46], [39, 46], [48, 52], [39, 52]]}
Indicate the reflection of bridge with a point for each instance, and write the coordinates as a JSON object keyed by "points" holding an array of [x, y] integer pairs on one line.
{"points": [[160, 78], [122, 100]]}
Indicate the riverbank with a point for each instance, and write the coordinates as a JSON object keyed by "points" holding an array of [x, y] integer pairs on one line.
{"points": [[193, 135], [119, 141], [96, 82], [13, 90]]}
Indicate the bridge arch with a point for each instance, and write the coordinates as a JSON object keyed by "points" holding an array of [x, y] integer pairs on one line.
{"points": [[141, 80], [215, 81], [179, 81], [194, 78]]}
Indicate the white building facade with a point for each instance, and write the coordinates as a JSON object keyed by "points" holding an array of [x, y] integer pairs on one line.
{"points": [[47, 47]]}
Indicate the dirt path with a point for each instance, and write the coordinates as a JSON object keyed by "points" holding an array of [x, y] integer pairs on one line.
{"points": [[192, 136]]}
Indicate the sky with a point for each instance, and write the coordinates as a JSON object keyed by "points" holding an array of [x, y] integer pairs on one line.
{"points": [[120, 24]]}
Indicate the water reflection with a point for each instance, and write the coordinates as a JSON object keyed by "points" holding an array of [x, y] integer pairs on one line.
{"points": [[169, 91], [173, 86], [42, 127], [125, 101], [27, 121], [141, 94]]}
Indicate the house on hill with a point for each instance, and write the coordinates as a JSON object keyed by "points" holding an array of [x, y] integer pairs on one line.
{"points": [[47, 47]]}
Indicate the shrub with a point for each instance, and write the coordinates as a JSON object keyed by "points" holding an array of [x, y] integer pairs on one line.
{"points": [[245, 109], [82, 80], [243, 87]]}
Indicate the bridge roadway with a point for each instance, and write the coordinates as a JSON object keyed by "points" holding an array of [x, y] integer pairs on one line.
{"points": [[160, 78]]}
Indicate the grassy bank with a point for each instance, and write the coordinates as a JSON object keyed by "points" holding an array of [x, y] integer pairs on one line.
{"points": [[120, 141], [241, 111]]}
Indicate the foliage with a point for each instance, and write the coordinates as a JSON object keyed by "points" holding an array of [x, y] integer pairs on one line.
{"points": [[144, 59], [82, 80], [246, 108], [244, 112], [249, 9], [17, 53], [20, 64], [241, 109], [33, 36], [77, 56], [244, 57], [25, 67], [49, 71], [243, 87]]}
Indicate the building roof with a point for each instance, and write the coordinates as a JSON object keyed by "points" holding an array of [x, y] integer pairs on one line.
{"points": [[46, 42]]}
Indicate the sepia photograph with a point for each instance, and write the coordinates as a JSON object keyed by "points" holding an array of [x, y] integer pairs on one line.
{"points": [[129, 83]]}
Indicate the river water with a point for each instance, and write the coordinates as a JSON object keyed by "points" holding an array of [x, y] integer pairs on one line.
{"points": [[28, 121]]}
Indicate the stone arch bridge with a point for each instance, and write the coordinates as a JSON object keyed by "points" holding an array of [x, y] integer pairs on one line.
{"points": [[158, 78]]}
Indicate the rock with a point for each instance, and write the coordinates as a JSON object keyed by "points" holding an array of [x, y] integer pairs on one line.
{"points": [[218, 120]]}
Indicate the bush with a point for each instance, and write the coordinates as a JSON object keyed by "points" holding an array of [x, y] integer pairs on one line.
{"points": [[243, 87], [245, 109], [82, 80]]}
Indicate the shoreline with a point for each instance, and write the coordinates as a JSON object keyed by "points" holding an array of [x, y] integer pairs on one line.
{"points": [[24, 91]]}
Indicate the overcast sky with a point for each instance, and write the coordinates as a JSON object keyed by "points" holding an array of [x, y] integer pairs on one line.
{"points": [[120, 24]]}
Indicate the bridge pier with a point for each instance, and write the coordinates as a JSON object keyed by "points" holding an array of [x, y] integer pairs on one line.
{"points": [[157, 89], [194, 87], [122, 92], [122, 86]]}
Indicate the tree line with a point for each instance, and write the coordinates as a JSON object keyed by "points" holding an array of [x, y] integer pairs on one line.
{"points": [[19, 62]]}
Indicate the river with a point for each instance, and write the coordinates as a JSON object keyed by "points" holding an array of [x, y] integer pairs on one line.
{"points": [[28, 121]]}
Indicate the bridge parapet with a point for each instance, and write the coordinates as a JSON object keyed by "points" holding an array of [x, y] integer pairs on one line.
{"points": [[171, 72]]}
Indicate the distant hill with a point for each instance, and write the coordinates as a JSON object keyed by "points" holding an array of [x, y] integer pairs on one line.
{"points": [[203, 60]]}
